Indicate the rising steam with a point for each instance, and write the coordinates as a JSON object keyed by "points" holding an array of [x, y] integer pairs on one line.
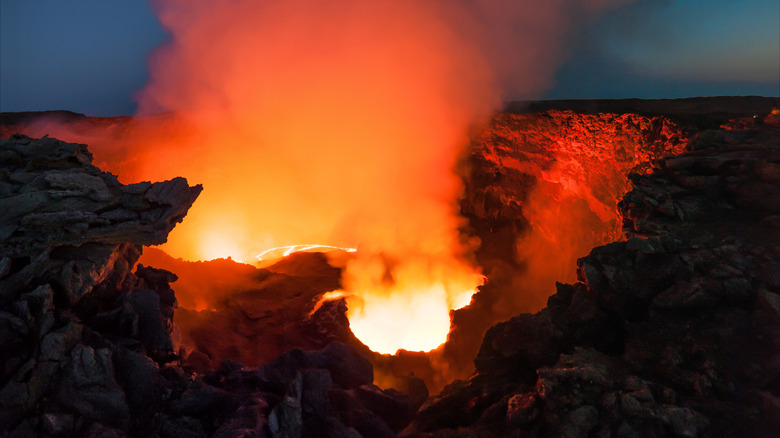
{"points": [[339, 123]]}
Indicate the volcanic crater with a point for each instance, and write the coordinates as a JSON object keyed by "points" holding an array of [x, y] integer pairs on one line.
{"points": [[630, 259]]}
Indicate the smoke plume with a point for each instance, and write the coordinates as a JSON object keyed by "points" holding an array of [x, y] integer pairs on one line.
{"points": [[339, 123]]}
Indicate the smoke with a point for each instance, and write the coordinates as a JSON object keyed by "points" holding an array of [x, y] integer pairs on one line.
{"points": [[339, 123], [335, 124]]}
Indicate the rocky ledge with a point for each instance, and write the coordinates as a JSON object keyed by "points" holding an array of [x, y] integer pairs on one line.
{"points": [[674, 332], [89, 348]]}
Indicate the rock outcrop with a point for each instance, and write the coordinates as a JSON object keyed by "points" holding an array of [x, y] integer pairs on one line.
{"points": [[540, 192], [250, 315], [674, 332], [69, 235], [517, 151], [89, 348]]}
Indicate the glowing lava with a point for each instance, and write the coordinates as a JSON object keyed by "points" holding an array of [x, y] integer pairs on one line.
{"points": [[337, 122], [413, 320], [395, 306], [405, 304], [215, 245], [291, 249]]}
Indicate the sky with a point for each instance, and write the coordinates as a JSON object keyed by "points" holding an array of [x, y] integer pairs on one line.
{"points": [[91, 56]]}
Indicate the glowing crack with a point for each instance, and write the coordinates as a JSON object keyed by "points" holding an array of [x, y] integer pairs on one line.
{"points": [[291, 249]]}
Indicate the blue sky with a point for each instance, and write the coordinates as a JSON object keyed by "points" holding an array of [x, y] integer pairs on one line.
{"points": [[87, 55], [677, 49], [90, 56]]}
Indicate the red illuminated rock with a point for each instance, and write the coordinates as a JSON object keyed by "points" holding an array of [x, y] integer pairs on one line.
{"points": [[233, 311], [674, 332], [541, 191]]}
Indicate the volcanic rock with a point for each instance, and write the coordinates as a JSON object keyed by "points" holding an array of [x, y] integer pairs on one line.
{"points": [[555, 176], [515, 150], [88, 345], [674, 332], [69, 235], [233, 311]]}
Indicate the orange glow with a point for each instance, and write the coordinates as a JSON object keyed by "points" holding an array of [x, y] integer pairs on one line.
{"points": [[580, 164], [406, 307], [215, 244], [292, 249], [339, 124], [374, 318], [574, 206], [424, 327], [328, 296], [334, 122]]}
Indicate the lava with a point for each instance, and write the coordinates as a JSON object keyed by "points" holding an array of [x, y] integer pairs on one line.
{"points": [[374, 318], [291, 249]]}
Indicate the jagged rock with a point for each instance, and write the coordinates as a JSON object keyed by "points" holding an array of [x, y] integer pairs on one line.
{"points": [[145, 388], [286, 419], [152, 332], [69, 235], [330, 392], [359, 418], [50, 224], [673, 332], [232, 311], [57, 423], [249, 421], [517, 148], [57, 196], [522, 344], [568, 165], [88, 386], [348, 368]]}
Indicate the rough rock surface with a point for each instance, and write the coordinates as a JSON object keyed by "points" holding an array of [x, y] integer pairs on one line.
{"points": [[522, 167], [89, 348], [518, 150], [252, 315], [69, 235], [674, 332]]}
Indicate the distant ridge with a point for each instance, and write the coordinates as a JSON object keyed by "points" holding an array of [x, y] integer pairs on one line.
{"points": [[704, 112]]}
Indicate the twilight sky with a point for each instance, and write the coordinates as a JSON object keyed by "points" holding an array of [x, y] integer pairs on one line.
{"points": [[90, 56]]}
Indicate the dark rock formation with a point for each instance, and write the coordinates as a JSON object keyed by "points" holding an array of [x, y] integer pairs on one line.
{"points": [[674, 332], [88, 346], [69, 234], [231, 311]]}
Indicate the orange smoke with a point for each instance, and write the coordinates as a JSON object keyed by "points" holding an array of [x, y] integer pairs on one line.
{"points": [[335, 123], [340, 124]]}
